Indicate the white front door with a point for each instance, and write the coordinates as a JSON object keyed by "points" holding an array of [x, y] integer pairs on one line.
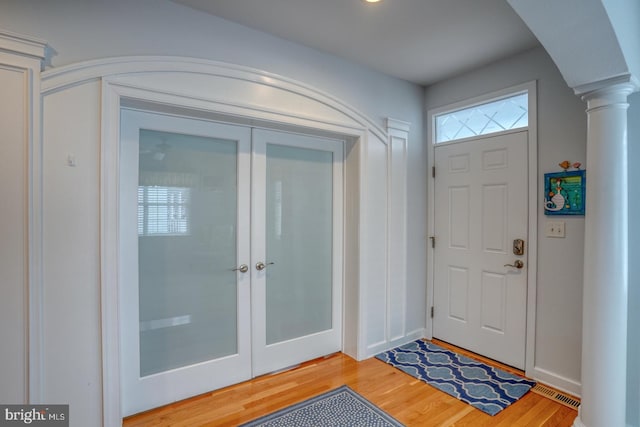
{"points": [[202, 209], [481, 208]]}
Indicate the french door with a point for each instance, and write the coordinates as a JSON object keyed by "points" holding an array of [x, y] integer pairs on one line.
{"points": [[297, 235], [230, 254]]}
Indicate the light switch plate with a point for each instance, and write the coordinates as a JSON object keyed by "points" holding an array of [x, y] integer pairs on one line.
{"points": [[554, 229]]}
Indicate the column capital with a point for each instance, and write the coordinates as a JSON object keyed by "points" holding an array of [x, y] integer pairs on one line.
{"points": [[609, 91], [19, 44]]}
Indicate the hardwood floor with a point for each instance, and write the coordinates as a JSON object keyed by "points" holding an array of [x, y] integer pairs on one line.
{"points": [[410, 401]]}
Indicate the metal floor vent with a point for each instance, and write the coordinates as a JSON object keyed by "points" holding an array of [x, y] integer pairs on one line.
{"points": [[552, 394]]}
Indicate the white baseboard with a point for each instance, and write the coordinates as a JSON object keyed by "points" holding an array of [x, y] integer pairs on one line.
{"points": [[556, 381], [388, 345]]}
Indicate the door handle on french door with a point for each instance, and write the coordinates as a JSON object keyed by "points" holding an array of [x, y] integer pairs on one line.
{"points": [[261, 265], [517, 264], [242, 269]]}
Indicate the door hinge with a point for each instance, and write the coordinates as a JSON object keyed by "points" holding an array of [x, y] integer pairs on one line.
{"points": [[433, 241], [432, 311], [433, 171]]}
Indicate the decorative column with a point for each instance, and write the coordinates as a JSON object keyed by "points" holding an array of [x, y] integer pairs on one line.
{"points": [[604, 319]]}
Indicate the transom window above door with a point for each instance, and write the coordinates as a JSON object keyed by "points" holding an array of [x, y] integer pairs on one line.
{"points": [[499, 115]]}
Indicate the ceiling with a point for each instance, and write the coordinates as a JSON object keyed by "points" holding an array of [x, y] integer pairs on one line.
{"points": [[422, 41]]}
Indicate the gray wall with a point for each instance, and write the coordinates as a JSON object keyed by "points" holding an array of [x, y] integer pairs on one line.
{"points": [[633, 351], [561, 135], [80, 30]]}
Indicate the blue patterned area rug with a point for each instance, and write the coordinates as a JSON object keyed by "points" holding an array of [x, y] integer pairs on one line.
{"points": [[482, 386], [341, 407]]}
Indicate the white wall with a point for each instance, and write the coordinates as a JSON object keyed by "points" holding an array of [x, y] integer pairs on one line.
{"points": [[633, 351], [561, 136], [90, 29]]}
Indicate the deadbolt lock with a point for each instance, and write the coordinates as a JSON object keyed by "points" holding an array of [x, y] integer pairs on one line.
{"points": [[518, 247]]}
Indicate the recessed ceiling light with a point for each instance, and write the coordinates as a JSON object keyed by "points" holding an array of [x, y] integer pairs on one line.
{"points": [[371, 1]]}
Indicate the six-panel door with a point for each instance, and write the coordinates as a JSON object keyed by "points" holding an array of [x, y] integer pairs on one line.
{"points": [[481, 208]]}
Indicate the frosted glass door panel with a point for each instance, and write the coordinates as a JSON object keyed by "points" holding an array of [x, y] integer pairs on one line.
{"points": [[184, 223], [299, 234], [187, 210]]}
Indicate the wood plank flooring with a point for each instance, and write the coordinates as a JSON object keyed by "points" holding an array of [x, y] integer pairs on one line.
{"points": [[410, 401]]}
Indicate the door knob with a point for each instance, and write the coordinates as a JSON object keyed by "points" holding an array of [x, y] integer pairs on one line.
{"points": [[517, 264], [242, 269], [261, 265]]}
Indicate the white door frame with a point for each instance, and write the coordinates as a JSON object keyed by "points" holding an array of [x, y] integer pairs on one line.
{"points": [[114, 97], [532, 244]]}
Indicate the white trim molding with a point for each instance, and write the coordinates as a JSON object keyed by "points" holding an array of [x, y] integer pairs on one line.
{"points": [[585, 90], [398, 125], [397, 229], [25, 55], [59, 78], [22, 45], [109, 248], [559, 382]]}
